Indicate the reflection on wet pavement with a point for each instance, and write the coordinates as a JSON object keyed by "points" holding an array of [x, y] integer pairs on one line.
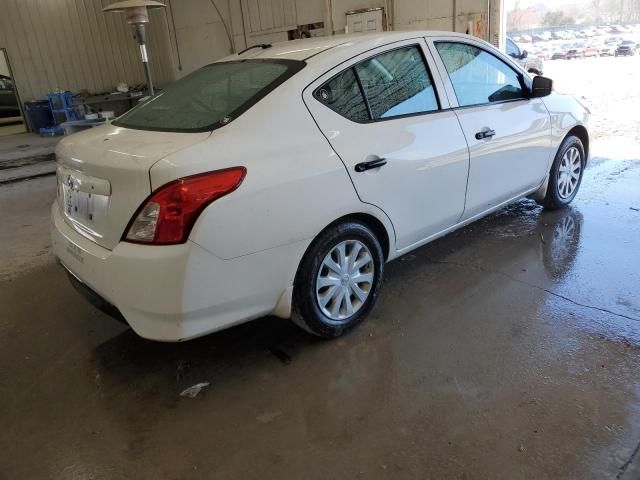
{"points": [[509, 349]]}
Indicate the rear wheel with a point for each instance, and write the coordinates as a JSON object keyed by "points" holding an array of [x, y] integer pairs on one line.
{"points": [[338, 280], [566, 174]]}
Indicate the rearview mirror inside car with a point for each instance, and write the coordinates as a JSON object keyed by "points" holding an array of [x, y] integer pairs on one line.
{"points": [[542, 87]]}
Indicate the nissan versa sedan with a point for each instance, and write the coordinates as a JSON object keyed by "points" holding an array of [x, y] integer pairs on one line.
{"points": [[281, 180]]}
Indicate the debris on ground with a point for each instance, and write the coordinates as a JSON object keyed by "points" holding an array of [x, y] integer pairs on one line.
{"points": [[194, 390], [182, 367], [280, 354]]}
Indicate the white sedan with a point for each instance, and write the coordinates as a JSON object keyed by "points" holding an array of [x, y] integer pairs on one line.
{"points": [[280, 180]]}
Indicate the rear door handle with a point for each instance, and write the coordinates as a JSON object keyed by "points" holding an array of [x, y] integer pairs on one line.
{"points": [[364, 166], [485, 134]]}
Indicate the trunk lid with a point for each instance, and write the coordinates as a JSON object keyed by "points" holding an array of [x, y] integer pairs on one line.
{"points": [[103, 176]]}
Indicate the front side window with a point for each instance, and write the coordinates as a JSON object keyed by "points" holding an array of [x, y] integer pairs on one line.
{"points": [[342, 94], [477, 76], [397, 83], [512, 49], [209, 97]]}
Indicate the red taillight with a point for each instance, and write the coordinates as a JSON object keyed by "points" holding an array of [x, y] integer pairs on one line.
{"points": [[168, 215]]}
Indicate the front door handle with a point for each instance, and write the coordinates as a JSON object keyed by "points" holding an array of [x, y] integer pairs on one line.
{"points": [[484, 134], [364, 166]]}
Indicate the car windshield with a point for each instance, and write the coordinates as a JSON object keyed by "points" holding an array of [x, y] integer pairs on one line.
{"points": [[209, 97]]}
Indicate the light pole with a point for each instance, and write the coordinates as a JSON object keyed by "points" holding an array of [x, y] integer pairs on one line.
{"points": [[138, 16]]}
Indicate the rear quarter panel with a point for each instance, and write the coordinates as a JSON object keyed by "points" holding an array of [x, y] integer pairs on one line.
{"points": [[295, 184]]}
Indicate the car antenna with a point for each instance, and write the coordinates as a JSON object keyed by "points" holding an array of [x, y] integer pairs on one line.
{"points": [[260, 45]]}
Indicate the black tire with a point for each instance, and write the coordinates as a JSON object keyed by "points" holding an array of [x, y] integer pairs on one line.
{"points": [[306, 311], [553, 199]]}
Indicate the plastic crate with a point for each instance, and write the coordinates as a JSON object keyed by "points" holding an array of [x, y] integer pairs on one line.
{"points": [[60, 100], [51, 131], [38, 115], [62, 107]]}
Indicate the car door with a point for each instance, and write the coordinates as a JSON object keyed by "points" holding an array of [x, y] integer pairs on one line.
{"points": [[8, 101], [509, 135], [383, 114]]}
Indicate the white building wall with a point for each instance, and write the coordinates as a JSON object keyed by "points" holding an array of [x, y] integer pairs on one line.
{"points": [[73, 45]]}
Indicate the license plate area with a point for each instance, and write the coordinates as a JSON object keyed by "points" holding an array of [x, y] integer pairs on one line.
{"points": [[85, 209]]}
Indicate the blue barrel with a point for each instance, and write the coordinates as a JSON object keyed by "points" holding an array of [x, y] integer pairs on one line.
{"points": [[38, 115]]}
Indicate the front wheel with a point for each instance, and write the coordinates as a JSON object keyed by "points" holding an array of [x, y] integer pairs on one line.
{"points": [[338, 280], [566, 174]]}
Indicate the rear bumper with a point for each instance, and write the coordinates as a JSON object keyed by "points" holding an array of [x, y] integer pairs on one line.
{"points": [[93, 297], [177, 292]]}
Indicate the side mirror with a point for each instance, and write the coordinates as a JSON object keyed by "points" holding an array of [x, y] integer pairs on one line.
{"points": [[524, 54], [542, 87]]}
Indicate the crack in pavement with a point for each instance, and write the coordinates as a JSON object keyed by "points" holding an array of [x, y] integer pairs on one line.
{"points": [[625, 466], [533, 285], [29, 177]]}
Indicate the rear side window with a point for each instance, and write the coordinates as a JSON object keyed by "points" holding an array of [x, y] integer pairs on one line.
{"points": [[477, 76], [391, 84], [342, 94], [210, 97], [397, 83]]}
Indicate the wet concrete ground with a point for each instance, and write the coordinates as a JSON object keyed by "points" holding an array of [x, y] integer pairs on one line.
{"points": [[509, 349]]}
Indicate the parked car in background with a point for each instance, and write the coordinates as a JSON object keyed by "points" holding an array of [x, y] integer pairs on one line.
{"points": [[559, 55], [530, 63], [574, 53], [621, 29], [8, 100], [625, 48], [607, 50], [591, 50], [172, 221], [543, 55]]}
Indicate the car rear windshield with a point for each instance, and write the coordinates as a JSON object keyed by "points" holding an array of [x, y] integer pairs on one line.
{"points": [[209, 97]]}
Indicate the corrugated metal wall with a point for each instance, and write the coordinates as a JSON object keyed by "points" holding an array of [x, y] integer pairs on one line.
{"points": [[73, 45], [269, 16]]}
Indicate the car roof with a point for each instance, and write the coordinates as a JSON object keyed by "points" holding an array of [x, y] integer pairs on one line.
{"points": [[306, 49]]}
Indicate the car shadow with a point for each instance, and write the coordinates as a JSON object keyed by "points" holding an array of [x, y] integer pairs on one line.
{"points": [[520, 233]]}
